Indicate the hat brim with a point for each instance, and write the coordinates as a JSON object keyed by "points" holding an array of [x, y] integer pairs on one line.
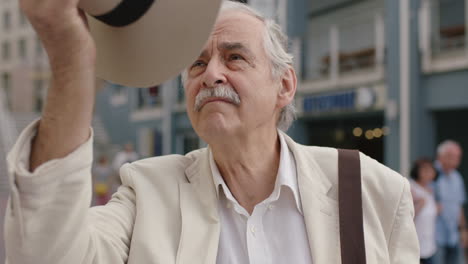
{"points": [[158, 46]]}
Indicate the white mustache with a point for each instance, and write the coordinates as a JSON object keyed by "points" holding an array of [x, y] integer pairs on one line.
{"points": [[225, 92]]}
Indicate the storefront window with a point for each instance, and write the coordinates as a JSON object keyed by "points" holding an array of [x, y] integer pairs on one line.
{"points": [[149, 97]]}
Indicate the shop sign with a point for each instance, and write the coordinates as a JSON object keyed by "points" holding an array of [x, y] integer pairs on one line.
{"points": [[358, 99]]}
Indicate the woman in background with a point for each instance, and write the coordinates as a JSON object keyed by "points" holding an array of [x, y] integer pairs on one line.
{"points": [[423, 174]]}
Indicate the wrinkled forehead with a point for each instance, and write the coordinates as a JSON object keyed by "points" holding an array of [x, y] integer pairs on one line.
{"points": [[237, 27]]}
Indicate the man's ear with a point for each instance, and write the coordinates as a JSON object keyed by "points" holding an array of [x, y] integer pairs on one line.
{"points": [[288, 88]]}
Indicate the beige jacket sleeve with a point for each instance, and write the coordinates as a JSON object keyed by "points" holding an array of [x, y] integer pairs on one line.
{"points": [[403, 242], [48, 219]]}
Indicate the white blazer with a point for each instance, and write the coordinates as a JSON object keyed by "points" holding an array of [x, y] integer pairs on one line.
{"points": [[166, 210]]}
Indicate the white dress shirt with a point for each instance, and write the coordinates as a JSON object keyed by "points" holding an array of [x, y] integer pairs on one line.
{"points": [[275, 233]]}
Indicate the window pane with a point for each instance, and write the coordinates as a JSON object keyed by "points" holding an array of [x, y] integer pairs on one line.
{"points": [[180, 90], [6, 51], [6, 20], [6, 86], [39, 50], [149, 97], [450, 33], [39, 94], [22, 48], [22, 19]]}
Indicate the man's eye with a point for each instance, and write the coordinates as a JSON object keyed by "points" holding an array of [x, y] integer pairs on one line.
{"points": [[198, 64], [236, 57]]}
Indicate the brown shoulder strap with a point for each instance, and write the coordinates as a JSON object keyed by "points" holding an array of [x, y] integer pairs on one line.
{"points": [[350, 208]]}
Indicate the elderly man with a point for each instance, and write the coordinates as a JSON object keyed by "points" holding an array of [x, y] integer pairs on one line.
{"points": [[450, 194], [252, 196]]}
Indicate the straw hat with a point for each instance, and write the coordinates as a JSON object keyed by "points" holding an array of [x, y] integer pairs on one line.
{"points": [[142, 43]]}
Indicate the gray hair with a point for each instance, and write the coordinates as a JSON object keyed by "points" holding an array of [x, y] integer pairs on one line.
{"points": [[275, 44], [445, 145]]}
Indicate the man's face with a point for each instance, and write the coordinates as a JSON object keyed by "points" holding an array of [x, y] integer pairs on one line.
{"points": [[234, 56], [450, 159]]}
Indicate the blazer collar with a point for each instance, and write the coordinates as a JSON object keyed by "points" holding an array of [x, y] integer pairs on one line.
{"points": [[200, 177], [200, 219]]}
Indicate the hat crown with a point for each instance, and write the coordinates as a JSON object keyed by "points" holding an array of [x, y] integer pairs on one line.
{"points": [[99, 7], [124, 14]]}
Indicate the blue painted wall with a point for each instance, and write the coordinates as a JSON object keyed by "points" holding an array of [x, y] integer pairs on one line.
{"points": [[422, 130], [446, 90], [392, 23], [297, 17], [320, 5], [113, 117]]}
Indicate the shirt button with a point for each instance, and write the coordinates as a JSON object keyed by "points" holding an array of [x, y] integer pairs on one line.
{"points": [[252, 229], [228, 205], [270, 207]]}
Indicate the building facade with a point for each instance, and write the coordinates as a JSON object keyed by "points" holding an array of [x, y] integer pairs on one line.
{"points": [[386, 77], [343, 92], [24, 73]]}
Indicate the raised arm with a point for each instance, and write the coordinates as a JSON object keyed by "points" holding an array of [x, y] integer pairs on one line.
{"points": [[67, 114], [48, 219]]}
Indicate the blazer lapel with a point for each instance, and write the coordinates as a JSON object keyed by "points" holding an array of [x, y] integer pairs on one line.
{"points": [[320, 210], [200, 220]]}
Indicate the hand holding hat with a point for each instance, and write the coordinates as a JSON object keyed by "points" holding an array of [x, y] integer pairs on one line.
{"points": [[68, 110], [140, 43], [62, 28]]}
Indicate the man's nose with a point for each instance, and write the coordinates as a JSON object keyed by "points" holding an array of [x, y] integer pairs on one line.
{"points": [[214, 75]]}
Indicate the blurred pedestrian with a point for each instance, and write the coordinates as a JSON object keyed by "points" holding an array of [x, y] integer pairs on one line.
{"points": [[423, 174], [126, 155], [102, 181], [450, 194]]}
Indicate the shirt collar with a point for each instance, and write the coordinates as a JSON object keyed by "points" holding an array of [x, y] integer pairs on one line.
{"points": [[287, 176], [217, 178]]}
